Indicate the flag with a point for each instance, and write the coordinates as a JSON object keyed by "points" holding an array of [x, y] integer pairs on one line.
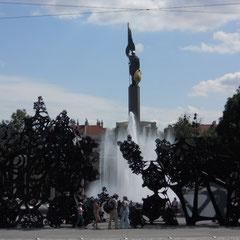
{"points": [[131, 45]]}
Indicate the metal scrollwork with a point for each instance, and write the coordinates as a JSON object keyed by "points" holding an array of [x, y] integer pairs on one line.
{"points": [[46, 155]]}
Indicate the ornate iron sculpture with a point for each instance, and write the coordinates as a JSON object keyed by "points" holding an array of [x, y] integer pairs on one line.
{"points": [[154, 178], [131, 152], [136, 216], [195, 164], [47, 154]]}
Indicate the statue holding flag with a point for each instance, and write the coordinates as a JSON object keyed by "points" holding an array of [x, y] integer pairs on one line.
{"points": [[134, 63]]}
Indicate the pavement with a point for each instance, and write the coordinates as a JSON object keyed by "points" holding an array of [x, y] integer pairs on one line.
{"points": [[202, 231]]}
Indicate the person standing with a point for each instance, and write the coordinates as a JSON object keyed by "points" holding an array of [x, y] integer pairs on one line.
{"points": [[96, 209], [175, 206], [114, 212], [80, 218], [125, 213]]}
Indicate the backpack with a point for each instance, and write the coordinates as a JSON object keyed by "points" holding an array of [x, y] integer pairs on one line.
{"points": [[109, 205]]}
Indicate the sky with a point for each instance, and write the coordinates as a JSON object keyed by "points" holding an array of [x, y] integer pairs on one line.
{"points": [[72, 53]]}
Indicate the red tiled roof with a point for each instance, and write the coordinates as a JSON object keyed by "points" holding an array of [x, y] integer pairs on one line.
{"points": [[204, 127], [91, 129]]}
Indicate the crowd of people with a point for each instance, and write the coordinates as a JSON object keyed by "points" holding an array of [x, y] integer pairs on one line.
{"points": [[116, 208], [89, 210]]}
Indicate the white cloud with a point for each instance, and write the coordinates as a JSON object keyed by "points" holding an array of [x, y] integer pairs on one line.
{"points": [[21, 93], [159, 17], [230, 43], [9, 79], [139, 47], [227, 84], [2, 64], [36, 12]]}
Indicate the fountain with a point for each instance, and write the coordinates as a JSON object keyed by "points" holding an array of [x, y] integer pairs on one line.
{"points": [[115, 173]]}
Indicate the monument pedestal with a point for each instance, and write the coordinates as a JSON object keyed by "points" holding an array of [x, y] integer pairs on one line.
{"points": [[134, 101]]}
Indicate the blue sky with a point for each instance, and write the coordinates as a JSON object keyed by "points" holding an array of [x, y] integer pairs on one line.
{"points": [[189, 58]]}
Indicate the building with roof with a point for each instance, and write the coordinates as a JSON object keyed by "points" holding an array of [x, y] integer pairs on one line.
{"points": [[96, 132], [204, 127]]}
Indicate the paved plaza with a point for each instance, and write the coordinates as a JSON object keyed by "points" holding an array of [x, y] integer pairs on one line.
{"points": [[203, 231]]}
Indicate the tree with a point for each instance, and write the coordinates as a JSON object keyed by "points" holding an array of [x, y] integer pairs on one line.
{"points": [[184, 127], [17, 119], [229, 124], [228, 128], [187, 128]]}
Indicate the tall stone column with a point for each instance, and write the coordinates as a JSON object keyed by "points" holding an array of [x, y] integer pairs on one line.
{"points": [[136, 75], [134, 101]]}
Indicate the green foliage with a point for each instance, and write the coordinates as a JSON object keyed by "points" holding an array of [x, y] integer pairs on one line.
{"points": [[229, 124], [185, 128], [17, 120], [228, 128]]}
